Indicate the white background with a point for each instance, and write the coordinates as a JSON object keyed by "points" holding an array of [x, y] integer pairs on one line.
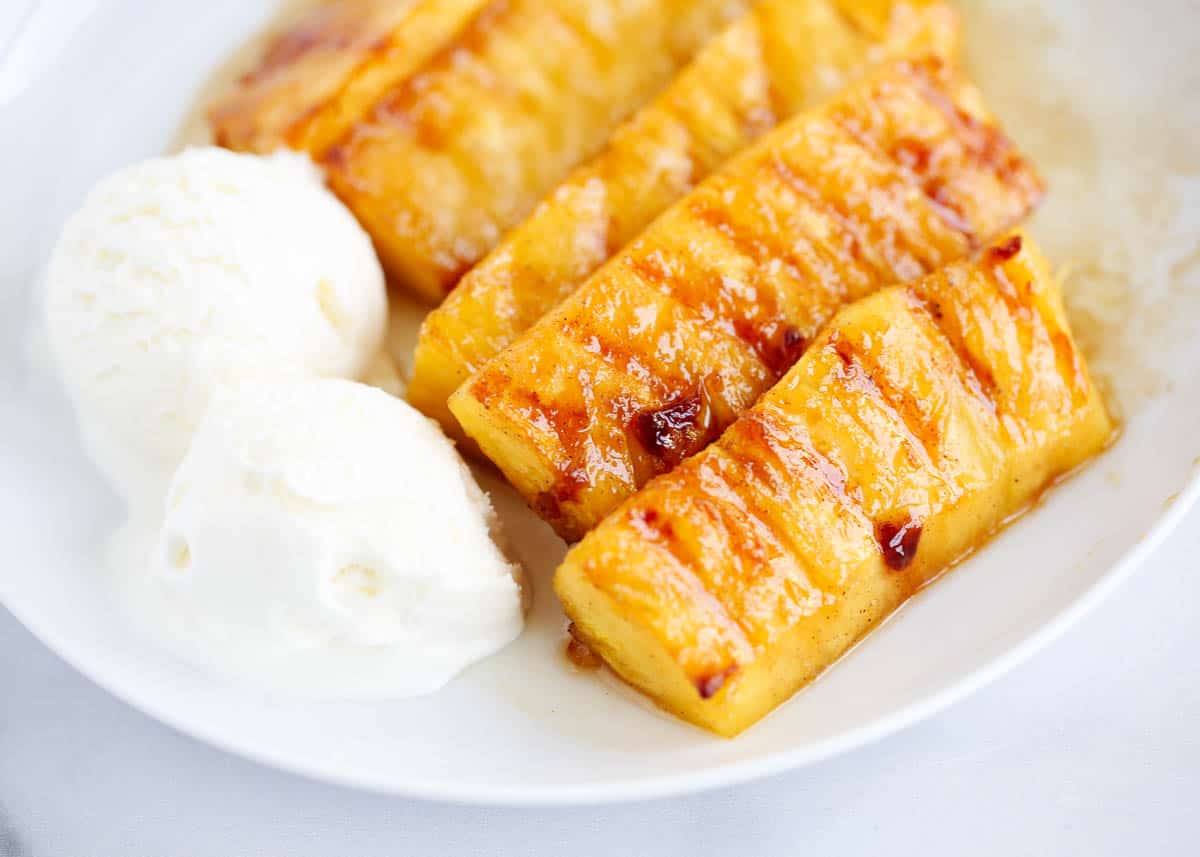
{"points": [[1090, 748]]}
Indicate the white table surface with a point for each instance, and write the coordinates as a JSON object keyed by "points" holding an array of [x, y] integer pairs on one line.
{"points": [[1090, 748]]}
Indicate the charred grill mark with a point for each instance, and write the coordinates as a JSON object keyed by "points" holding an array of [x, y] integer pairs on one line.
{"points": [[922, 432], [760, 250], [490, 386], [759, 497], [563, 422], [1022, 314], [793, 340], [399, 108], [777, 342], [898, 541], [766, 467], [657, 529], [676, 430], [336, 157], [568, 425], [975, 376], [792, 453], [645, 266], [983, 142], [727, 545], [584, 327], [550, 505], [854, 233], [981, 380], [757, 545], [748, 243], [920, 164]]}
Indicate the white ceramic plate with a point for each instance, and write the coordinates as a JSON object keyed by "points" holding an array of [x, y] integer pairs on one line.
{"points": [[1104, 96]]}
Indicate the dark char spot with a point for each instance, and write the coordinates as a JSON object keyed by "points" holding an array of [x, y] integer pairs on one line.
{"points": [[673, 432], [1004, 251], [898, 541]]}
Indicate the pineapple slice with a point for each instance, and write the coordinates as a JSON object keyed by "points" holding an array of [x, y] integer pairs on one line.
{"points": [[463, 149], [325, 72], [922, 418], [681, 331], [781, 57]]}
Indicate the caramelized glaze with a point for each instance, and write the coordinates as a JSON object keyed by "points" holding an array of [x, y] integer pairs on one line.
{"points": [[464, 147], [578, 653], [324, 71], [782, 57], [876, 463], [898, 542], [769, 247]]}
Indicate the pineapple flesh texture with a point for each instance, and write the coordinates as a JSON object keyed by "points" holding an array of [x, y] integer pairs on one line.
{"points": [[462, 150], [921, 420], [782, 57], [669, 341], [323, 73]]}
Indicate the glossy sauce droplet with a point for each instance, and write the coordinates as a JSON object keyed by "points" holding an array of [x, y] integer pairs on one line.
{"points": [[1004, 251], [899, 542], [673, 432], [784, 350], [579, 654]]}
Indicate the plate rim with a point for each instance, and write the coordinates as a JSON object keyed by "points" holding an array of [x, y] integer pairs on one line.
{"points": [[648, 787], [661, 785]]}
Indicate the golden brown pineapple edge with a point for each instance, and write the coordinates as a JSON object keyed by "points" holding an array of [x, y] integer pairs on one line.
{"points": [[323, 72], [681, 331], [922, 419], [781, 57]]}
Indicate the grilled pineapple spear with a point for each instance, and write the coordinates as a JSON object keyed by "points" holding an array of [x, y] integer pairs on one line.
{"points": [[780, 58], [680, 332], [921, 419], [463, 149], [324, 72]]}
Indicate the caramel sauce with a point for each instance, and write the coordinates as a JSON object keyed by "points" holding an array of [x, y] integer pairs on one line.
{"points": [[783, 349], [898, 541], [676, 430], [788, 278], [579, 654], [863, 373], [1001, 253]]}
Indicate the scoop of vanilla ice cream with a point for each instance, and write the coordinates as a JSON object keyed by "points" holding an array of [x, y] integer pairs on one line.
{"points": [[323, 538], [181, 274]]}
